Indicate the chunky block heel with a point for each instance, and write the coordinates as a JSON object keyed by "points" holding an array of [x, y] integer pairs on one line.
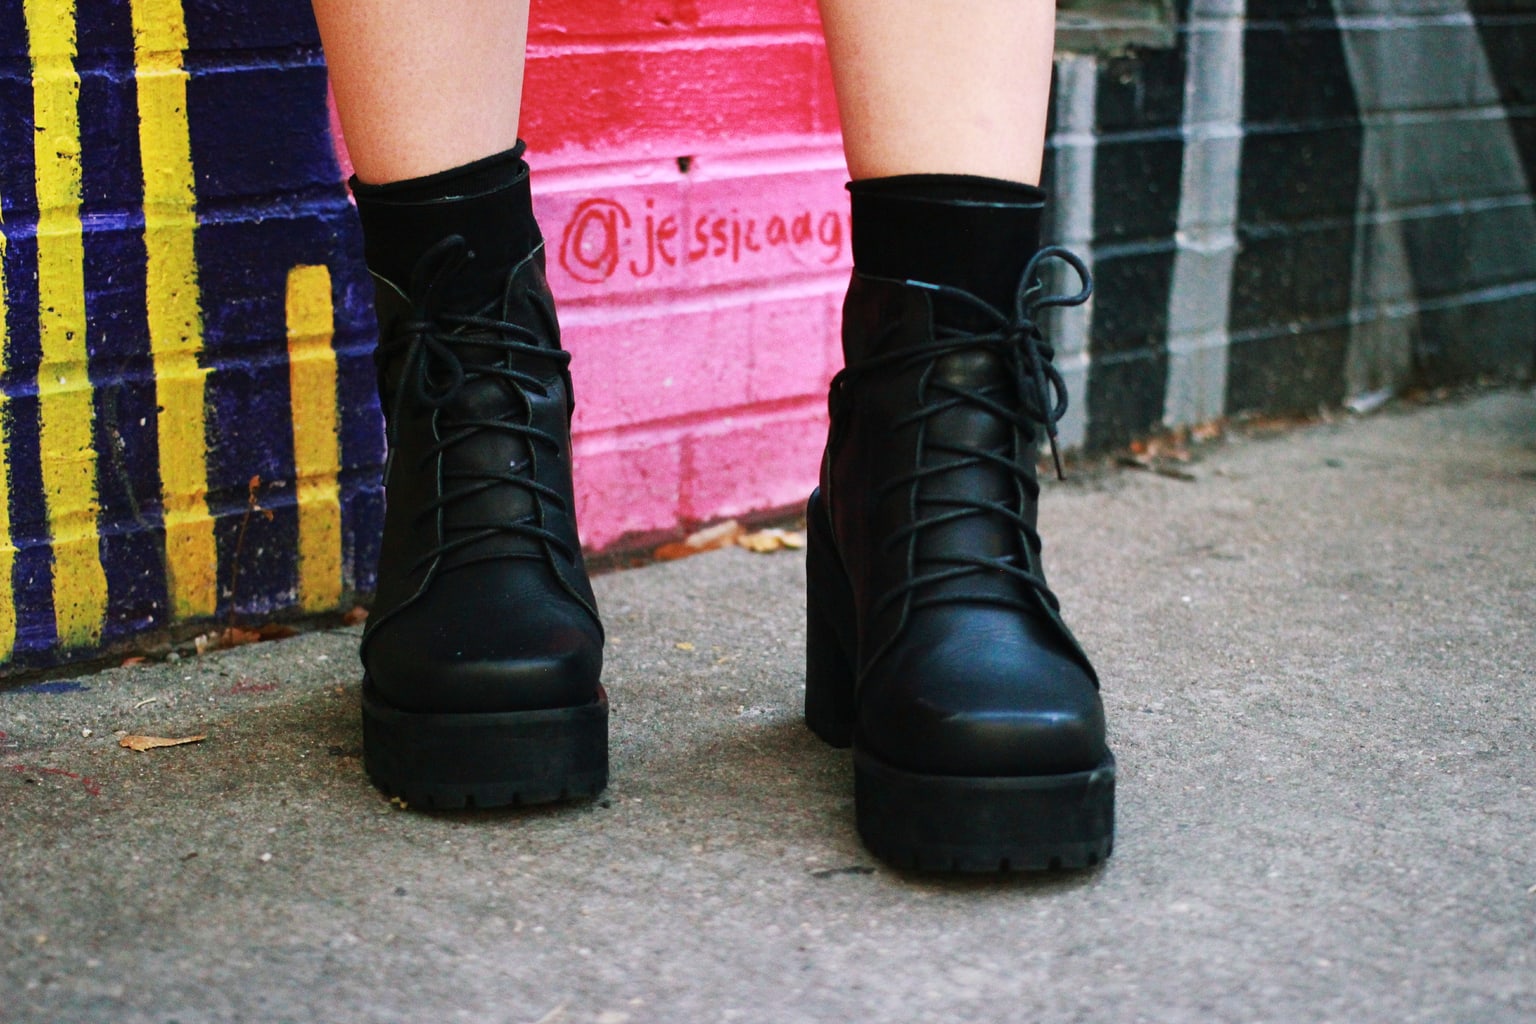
{"points": [[829, 689], [829, 663], [511, 758]]}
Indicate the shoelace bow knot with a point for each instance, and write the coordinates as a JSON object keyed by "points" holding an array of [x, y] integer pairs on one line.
{"points": [[1041, 395], [434, 374]]}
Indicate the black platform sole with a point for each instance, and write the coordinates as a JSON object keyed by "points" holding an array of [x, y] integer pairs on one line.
{"points": [[960, 823], [951, 823], [452, 761]]}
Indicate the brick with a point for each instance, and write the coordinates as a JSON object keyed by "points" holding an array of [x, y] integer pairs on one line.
{"points": [[743, 464], [1293, 277], [1510, 47], [626, 487], [218, 25], [1458, 158], [1204, 276], [260, 131], [1210, 160], [688, 360], [1125, 397], [1136, 184], [623, 18], [1488, 337], [789, 344], [1262, 11], [691, 98], [1287, 371], [1141, 90], [1295, 75], [1137, 315], [635, 369], [1416, 67], [1458, 250], [1413, 10], [1300, 174]]}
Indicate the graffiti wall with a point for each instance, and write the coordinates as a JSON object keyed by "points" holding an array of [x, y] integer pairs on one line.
{"points": [[1287, 204], [186, 352], [1298, 203]]}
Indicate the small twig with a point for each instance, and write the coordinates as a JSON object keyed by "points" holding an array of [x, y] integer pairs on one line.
{"points": [[555, 1014], [252, 506]]}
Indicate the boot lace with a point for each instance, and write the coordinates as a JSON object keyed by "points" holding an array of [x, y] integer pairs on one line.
{"points": [[435, 373], [1029, 392]]}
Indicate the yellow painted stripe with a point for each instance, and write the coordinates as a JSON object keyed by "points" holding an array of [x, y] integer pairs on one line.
{"points": [[316, 451], [63, 386], [173, 303], [7, 547]]}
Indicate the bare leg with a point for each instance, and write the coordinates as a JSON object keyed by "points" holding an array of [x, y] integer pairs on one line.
{"points": [[423, 87], [942, 86]]}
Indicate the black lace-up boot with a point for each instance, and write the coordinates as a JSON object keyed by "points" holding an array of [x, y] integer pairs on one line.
{"points": [[483, 649], [935, 646]]}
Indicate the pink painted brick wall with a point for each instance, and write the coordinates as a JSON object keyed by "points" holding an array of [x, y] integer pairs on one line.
{"points": [[689, 180], [701, 312]]}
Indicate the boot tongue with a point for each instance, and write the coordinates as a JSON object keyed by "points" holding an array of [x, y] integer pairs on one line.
{"points": [[486, 397], [955, 436]]}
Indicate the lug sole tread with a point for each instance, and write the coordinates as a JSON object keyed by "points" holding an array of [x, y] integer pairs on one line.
{"points": [[956, 824], [463, 761]]}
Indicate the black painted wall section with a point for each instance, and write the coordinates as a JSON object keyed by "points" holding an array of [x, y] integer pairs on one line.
{"points": [[1296, 212], [1137, 171], [1508, 32]]}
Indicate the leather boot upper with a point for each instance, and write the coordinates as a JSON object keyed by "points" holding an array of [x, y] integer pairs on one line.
{"points": [[965, 666], [483, 603]]}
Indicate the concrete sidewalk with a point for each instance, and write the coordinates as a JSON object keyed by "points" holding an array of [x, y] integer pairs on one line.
{"points": [[1320, 665]]}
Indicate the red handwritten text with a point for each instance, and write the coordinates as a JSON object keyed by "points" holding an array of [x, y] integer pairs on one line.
{"points": [[602, 238]]}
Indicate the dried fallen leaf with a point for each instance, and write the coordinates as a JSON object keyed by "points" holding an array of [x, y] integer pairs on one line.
{"points": [[356, 616], [234, 636], [1158, 466], [135, 660], [708, 539], [1210, 430], [152, 742], [276, 631], [764, 541]]}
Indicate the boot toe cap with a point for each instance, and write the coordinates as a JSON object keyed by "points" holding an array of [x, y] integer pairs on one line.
{"points": [[469, 651], [1011, 706]]}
